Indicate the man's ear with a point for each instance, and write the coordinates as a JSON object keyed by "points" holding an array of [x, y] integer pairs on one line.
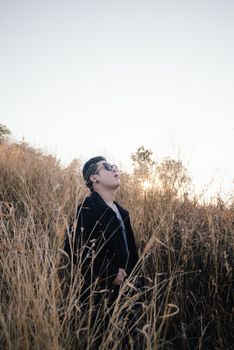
{"points": [[93, 178]]}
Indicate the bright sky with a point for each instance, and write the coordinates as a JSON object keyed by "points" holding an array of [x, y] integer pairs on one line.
{"points": [[83, 78]]}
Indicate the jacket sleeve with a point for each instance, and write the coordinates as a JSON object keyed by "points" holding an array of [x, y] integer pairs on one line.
{"points": [[87, 246]]}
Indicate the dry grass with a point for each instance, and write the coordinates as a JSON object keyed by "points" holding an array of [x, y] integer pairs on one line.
{"points": [[186, 254]]}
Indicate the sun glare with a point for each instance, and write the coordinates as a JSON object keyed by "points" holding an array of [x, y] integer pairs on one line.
{"points": [[146, 185]]}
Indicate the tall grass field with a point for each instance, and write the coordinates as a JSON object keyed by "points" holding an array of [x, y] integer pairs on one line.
{"points": [[186, 255]]}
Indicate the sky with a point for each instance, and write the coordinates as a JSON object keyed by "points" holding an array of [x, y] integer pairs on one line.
{"points": [[84, 78]]}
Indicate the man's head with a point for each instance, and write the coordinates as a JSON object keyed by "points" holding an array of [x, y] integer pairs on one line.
{"points": [[97, 172]]}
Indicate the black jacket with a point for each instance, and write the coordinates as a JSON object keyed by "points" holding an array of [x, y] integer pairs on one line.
{"points": [[97, 241]]}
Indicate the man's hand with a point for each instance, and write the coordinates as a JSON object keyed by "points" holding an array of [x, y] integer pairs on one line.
{"points": [[119, 279]]}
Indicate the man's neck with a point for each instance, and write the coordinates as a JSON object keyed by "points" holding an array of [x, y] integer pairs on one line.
{"points": [[107, 195]]}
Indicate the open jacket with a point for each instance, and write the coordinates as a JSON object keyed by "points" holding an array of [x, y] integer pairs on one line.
{"points": [[97, 241]]}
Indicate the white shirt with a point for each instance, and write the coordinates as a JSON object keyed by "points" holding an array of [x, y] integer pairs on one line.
{"points": [[116, 210]]}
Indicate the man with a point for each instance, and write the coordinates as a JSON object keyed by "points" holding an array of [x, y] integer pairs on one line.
{"points": [[103, 241]]}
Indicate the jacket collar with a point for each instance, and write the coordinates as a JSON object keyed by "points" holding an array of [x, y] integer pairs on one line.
{"points": [[96, 196]]}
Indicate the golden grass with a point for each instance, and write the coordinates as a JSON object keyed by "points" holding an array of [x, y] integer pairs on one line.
{"points": [[186, 254]]}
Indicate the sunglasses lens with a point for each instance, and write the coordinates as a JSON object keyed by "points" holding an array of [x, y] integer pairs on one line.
{"points": [[107, 166], [110, 167]]}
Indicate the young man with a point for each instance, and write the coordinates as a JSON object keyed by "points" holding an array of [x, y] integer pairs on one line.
{"points": [[103, 232], [102, 241]]}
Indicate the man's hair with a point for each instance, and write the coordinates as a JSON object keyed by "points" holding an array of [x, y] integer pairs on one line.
{"points": [[89, 169]]}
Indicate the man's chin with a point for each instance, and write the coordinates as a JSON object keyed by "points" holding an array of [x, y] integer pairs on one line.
{"points": [[115, 186]]}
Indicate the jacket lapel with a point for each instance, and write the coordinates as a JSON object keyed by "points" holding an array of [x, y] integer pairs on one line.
{"points": [[103, 212], [108, 221]]}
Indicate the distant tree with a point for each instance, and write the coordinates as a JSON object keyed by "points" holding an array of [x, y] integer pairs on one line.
{"points": [[142, 163], [173, 175], [4, 133]]}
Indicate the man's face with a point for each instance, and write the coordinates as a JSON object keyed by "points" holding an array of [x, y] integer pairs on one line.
{"points": [[107, 175]]}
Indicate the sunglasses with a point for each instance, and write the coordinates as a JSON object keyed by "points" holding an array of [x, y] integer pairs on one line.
{"points": [[108, 167]]}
